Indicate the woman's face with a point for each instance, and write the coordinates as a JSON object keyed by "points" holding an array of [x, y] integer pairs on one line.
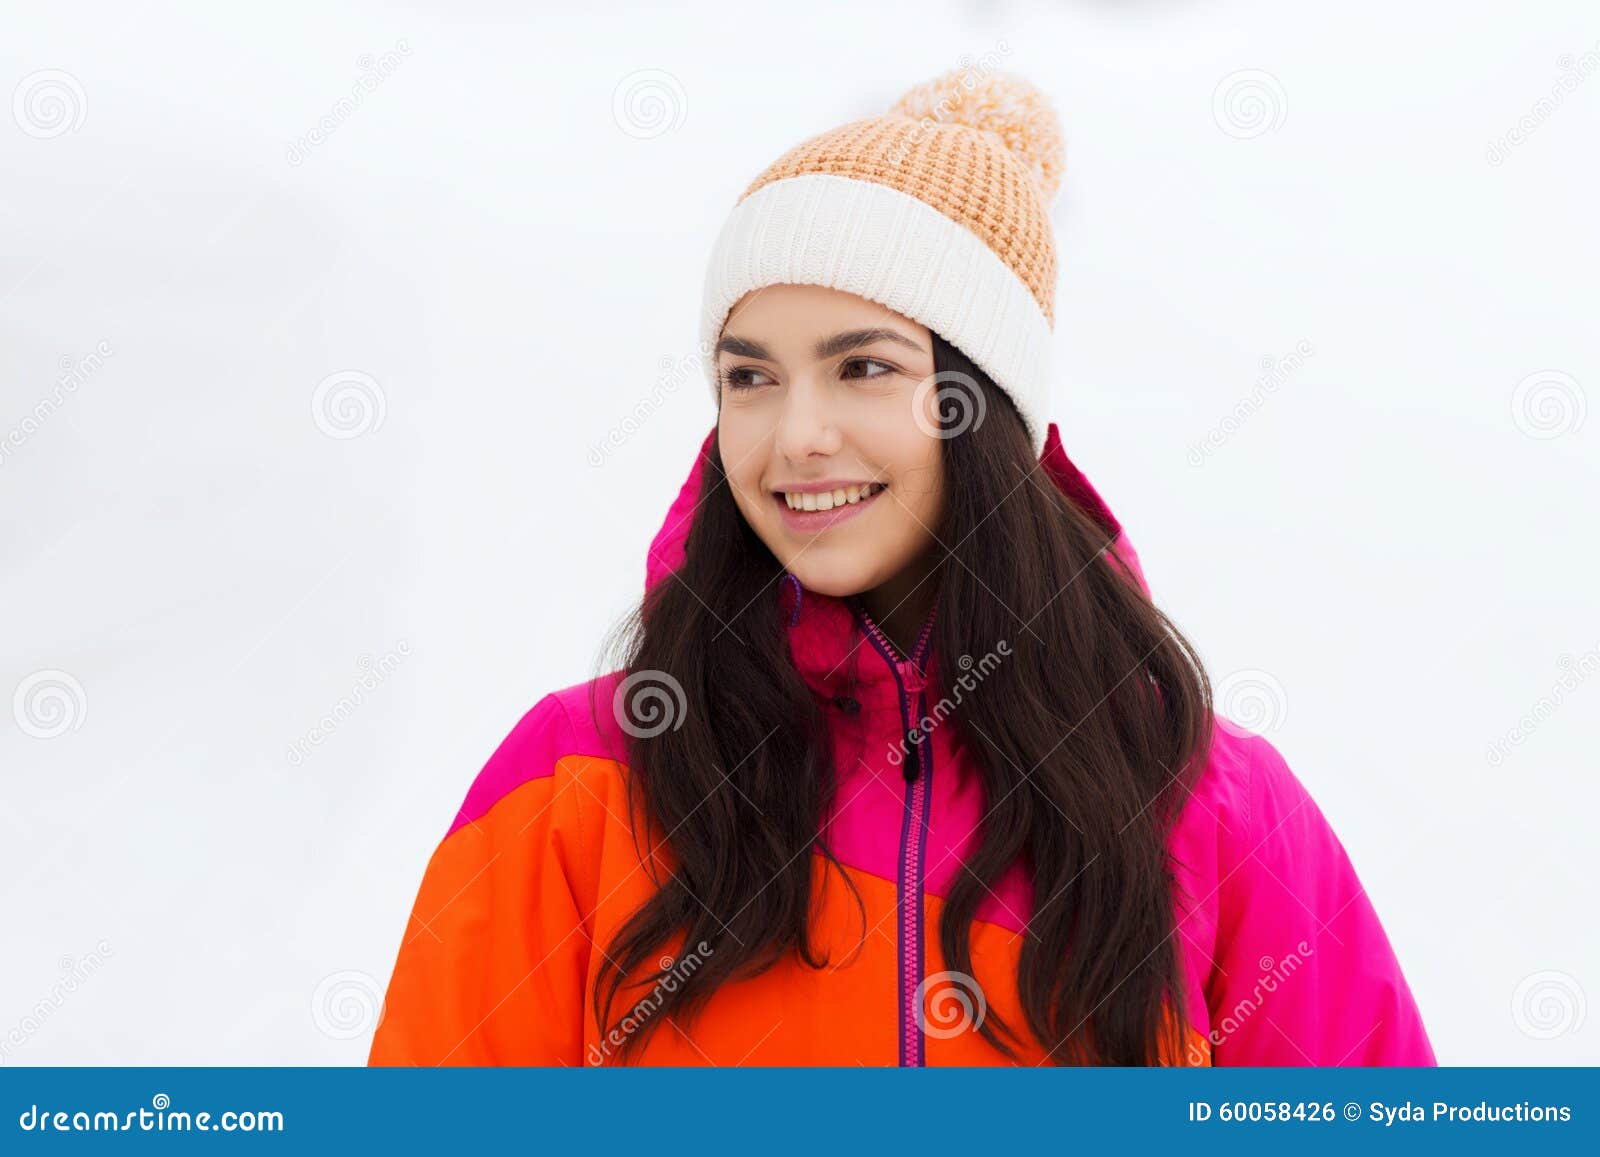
{"points": [[824, 393]]}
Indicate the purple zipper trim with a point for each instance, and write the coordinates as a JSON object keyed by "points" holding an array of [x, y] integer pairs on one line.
{"points": [[887, 647], [925, 781], [799, 596], [913, 833]]}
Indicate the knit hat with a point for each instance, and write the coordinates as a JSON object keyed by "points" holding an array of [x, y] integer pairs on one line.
{"points": [[938, 209]]}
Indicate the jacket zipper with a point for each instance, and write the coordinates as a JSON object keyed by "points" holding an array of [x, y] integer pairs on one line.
{"points": [[917, 770]]}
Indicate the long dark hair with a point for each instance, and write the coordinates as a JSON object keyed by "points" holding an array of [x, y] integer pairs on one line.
{"points": [[1085, 740]]}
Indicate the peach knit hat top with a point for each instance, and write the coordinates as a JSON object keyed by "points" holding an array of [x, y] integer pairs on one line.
{"points": [[939, 209]]}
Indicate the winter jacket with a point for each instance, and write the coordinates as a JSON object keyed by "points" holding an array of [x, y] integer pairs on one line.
{"points": [[1284, 957]]}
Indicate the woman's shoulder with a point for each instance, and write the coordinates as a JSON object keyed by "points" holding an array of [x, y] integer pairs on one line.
{"points": [[1250, 831], [572, 732], [1244, 780], [1270, 902], [1248, 817]]}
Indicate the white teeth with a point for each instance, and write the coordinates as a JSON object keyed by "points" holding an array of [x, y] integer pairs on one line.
{"points": [[827, 500]]}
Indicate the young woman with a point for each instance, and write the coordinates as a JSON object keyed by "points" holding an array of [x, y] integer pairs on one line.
{"points": [[901, 765]]}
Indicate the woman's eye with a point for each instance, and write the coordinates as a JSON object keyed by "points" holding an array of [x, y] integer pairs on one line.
{"points": [[738, 378], [883, 367]]}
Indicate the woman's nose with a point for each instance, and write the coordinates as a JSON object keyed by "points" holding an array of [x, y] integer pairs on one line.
{"points": [[807, 427]]}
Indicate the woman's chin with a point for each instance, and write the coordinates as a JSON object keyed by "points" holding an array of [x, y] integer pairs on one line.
{"points": [[840, 583]]}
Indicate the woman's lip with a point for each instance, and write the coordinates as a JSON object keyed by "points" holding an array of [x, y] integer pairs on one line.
{"points": [[824, 486], [812, 521]]}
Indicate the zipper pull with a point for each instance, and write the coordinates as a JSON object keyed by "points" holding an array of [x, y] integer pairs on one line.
{"points": [[912, 765]]}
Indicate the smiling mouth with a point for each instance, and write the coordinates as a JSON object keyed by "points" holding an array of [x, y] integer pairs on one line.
{"points": [[795, 515], [829, 499]]}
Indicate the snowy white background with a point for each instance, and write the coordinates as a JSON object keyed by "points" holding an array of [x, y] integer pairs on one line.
{"points": [[1388, 563]]}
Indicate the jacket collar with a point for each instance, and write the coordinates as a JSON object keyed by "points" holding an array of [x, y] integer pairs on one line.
{"points": [[836, 647]]}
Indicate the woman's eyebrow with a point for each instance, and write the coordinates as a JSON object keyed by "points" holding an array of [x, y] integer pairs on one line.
{"points": [[826, 348], [850, 339], [741, 347]]}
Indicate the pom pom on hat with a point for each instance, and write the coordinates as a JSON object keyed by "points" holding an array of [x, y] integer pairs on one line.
{"points": [[1003, 103]]}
